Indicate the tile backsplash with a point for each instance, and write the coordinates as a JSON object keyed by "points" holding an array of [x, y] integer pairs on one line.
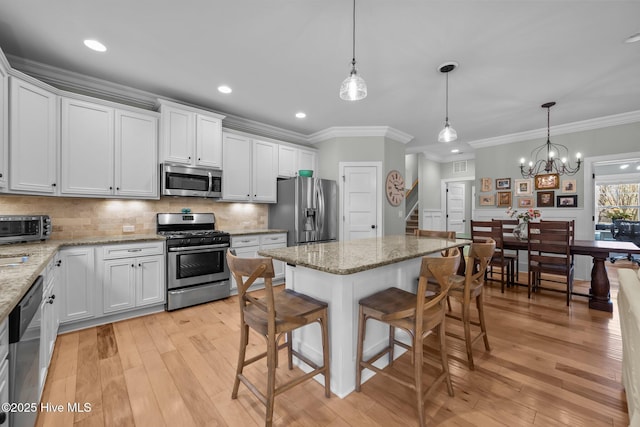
{"points": [[75, 217]]}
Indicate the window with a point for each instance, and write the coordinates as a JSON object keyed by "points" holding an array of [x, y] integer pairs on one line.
{"points": [[617, 201]]}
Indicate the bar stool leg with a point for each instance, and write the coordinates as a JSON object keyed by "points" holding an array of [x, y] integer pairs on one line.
{"points": [[361, 331], [325, 354], [467, 335], [417, 374], [483, 328], [272, 348], [244, 341], [392, 345], [444, 358]]}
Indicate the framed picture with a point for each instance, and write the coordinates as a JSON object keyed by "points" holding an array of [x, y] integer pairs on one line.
{"points": [[567, 201], [503, 183], [504, 198], [568, 186], [525, 202], [524, 187], [546, 199], [485, 184], [548, 181], [488, 200]]}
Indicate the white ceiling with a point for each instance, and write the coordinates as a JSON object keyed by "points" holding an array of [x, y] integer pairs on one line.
{"points": [[284, 56]]}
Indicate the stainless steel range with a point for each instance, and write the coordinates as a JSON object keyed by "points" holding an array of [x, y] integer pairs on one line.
{"points": [[197, 269]]}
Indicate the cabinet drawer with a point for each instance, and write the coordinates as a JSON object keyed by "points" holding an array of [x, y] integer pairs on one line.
{"points": [[271, 239], [132, 250], [4, 339], [242, 241]]}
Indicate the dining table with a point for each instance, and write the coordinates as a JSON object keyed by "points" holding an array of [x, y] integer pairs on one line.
{"points": [[599, 251]]}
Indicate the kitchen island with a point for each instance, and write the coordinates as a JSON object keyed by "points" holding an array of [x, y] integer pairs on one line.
{"points": [[342, 273]]}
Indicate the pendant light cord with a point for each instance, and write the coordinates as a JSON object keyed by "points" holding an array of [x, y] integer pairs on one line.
{"points": [[447, 103], [353, 61]]}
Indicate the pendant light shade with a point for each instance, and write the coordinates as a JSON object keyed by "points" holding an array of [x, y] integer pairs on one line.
{"points": [[447, 134], [353, 88]]}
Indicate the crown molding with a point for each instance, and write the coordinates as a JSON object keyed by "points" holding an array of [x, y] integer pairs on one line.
{"points": [[584, 125], [242, 124], [358, 131]]}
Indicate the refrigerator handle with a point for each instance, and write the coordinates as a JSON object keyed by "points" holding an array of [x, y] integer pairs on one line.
{"points": [[320, 217]]}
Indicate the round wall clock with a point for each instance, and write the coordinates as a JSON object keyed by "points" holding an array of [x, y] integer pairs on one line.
{"points": [[395, 188]]}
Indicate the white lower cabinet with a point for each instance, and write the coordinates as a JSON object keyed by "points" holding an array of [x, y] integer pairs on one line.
{"points": [[77, 283], [247, 246], [133, 275], [49, 312]]}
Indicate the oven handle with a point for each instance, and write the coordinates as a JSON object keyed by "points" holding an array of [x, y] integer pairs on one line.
{"points": [[197, 248]]}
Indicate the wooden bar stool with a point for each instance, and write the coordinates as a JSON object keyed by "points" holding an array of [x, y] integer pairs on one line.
{"points": [[468, 288], [419, 316], [272, 316]]}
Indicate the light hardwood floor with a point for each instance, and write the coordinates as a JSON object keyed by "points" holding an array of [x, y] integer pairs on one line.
{"points": [[549, 365]]}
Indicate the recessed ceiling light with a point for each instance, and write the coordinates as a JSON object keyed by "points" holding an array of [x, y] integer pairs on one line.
{"points": [[224, 89], [632, 39], [624, 166], [301, 115], [638, 168], [455, 150], [95, 45]]}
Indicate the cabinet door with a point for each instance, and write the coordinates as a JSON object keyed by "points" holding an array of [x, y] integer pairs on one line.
{"points": [[307, 160], [87, 148], [287, 161], [77, 284], [150, 283], [4, 125], [32, 138], [208, 141], [136, 154], [245, 252], [118, 284], [236, 174], [177, 135], [265, 171]]}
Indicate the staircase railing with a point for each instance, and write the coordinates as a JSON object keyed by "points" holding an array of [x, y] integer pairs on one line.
{"points": [[411, 199]]}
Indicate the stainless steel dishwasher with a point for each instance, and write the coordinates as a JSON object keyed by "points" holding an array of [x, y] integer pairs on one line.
{"points": [[24, 357]]}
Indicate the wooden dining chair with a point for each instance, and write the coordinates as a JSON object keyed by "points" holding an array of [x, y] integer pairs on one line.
{"points": [[419, 316], [549, 252], [273, 316], [493, 230], [507, 230], [468, 288]]}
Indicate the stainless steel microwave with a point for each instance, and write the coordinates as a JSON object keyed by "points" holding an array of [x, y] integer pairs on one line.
{"points": [[180, 180], [24, 228]]}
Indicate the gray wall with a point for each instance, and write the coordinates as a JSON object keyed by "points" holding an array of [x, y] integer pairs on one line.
{"points": [[503, 161], [411, 169], [366, 149]]}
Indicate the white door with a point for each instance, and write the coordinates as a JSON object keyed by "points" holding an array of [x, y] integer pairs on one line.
{"points": [[456, 207], [360, 201]]}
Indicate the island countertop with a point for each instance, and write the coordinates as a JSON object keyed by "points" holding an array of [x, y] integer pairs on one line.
{"points": [[359, 255]]}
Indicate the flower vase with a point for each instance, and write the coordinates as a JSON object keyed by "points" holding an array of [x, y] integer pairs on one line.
{"points": [[521, 230]]}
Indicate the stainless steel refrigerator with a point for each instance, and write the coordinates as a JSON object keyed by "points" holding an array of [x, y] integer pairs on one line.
{"points": [[307, 208]]}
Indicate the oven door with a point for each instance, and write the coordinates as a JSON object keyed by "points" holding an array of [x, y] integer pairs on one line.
{"points": [[195, 265]]}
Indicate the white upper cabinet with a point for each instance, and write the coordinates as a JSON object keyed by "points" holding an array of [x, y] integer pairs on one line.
{"points": [[107, 151], [292, 159], [136, 144], [4, 123], [265, 171], [208, 141], [32, 138], [87, 162], [190, 136], [250, 169]]}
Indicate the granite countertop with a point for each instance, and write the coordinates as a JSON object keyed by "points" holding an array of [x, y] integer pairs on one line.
{"points": [[254, 231], [16, 279], [360, 255]]}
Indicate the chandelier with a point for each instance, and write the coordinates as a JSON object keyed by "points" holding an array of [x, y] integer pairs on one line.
{"points": [[555, 156], [447, 134]]}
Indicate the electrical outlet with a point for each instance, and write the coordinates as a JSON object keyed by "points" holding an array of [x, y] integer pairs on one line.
{"points": [[128, 228]]}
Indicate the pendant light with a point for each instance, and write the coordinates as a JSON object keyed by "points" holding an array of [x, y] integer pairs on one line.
{"points": [[353, 87], [447, 134]]}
